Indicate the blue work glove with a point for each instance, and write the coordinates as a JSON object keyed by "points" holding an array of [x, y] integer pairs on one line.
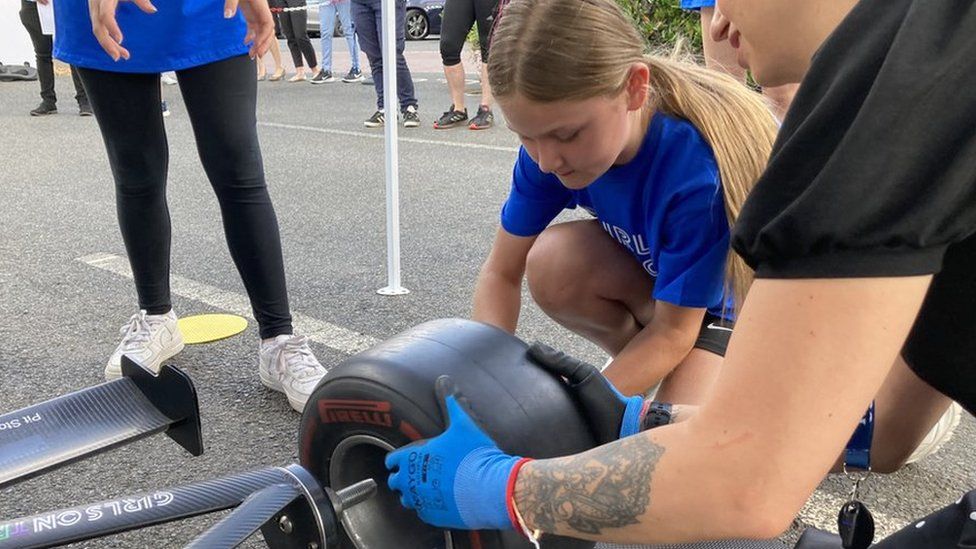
{"points": [[610, 414], [459, 479]]}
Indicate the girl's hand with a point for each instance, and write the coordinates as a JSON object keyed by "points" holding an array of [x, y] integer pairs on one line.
{"points": [[611, 415], [106, 28], [260, 25]]}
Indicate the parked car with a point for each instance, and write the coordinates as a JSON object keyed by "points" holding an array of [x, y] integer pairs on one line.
{"points": [[423, 19]]}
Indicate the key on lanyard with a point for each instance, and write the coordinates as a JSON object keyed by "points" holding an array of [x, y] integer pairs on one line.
{"points": [[854, 522]]}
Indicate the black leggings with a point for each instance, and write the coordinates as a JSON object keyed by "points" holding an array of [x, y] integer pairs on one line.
{"points": [[294, 25], [220, 100], [457, 18]]}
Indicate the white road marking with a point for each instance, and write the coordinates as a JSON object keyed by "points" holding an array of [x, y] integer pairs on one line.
{"points": [[326, 333], [379, 135]]}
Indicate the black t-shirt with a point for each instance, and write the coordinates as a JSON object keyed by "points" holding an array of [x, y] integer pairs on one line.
{"points": [[874, 174]]}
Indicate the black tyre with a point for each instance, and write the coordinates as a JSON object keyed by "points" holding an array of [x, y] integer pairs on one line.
{"points": [[383, 398], [418, 27]]}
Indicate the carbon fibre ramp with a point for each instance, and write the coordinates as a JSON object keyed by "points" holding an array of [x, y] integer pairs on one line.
{"points": [[109, 517], [93, 420], [256, 510]]}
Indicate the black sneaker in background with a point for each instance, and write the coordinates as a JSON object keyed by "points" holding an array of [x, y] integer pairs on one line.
{"points": [[410, 117], [451, 119], [44, 109], [354, 75], [322, 77], [375, 121], [85, 109], [483, 120]]}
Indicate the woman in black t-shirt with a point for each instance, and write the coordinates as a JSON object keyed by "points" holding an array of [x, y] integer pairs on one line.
{"points": [[861, 232]]}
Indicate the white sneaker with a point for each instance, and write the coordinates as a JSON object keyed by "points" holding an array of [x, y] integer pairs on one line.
{"points": [[940, 434], [147, 339], [288, 365]]}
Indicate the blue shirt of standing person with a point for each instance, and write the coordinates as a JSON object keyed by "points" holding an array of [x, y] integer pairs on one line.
{"points": [[179, 35]]}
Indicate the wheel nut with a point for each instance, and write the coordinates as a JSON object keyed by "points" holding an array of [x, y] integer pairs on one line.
{"points": [[284, 523]]}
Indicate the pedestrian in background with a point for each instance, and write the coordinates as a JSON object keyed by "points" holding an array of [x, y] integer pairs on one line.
{"points": [[294, 25], [328, 11], [459, 16], [367, 16], [43, 44]]}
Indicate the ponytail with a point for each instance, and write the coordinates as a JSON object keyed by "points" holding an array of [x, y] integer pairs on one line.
{"points": [[737, 124]]}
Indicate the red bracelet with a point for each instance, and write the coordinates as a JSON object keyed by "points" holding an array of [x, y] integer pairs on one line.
{"points": [[510, 493]]}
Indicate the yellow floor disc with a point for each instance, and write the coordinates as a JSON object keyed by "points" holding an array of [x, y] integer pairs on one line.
{"points": [[207, 328]]}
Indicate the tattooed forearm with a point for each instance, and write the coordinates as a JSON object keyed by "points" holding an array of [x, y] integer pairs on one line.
{"points": [[608, 487]]}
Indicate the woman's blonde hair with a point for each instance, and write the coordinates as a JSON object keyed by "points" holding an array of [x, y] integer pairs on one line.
{"points": [[557, 50]]}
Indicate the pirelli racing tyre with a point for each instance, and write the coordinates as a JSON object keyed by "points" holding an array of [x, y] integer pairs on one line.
{"points": [[383, 398]]}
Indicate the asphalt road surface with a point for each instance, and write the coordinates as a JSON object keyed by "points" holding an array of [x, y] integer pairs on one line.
{"points": [[64, 289]]}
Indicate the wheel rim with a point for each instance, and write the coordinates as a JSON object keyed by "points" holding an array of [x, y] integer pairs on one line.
{"points": [[417, 25], [380, 522]]}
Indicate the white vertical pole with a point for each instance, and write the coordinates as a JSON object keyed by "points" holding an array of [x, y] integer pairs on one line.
{"points": [[391, 106]]}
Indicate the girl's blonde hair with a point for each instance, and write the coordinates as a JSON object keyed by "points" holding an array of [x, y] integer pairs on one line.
{"points": [[557, 50]]}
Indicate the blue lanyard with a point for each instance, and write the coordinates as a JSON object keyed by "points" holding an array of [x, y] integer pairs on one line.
{"points": [[858, 453]]}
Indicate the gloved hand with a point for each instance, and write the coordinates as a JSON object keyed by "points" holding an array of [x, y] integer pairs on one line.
{"points": [[459, 479], [611, 415]]}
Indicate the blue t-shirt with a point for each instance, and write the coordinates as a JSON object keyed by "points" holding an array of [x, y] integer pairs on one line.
{"points": [[665, 206], [697, 4], [181, 35]]}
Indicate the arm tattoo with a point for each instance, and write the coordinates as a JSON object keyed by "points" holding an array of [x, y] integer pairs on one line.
{"points": [[608, 487]]}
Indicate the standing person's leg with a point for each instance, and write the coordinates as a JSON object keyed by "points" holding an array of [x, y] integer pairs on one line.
{"points": [[344, 12], [287, 29], [275, 51], [299, 25], [275, 48], [84, 108], [327, 16], [376, 10], [405, 90], [221, 100], [43, 45], [138, 154], [485, 12], [456, 21], [368, 21], [224, 123], [484, 118]]}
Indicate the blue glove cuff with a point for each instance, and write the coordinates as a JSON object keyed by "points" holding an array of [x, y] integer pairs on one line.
{"points": [[631, 423], [480, 488]]}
